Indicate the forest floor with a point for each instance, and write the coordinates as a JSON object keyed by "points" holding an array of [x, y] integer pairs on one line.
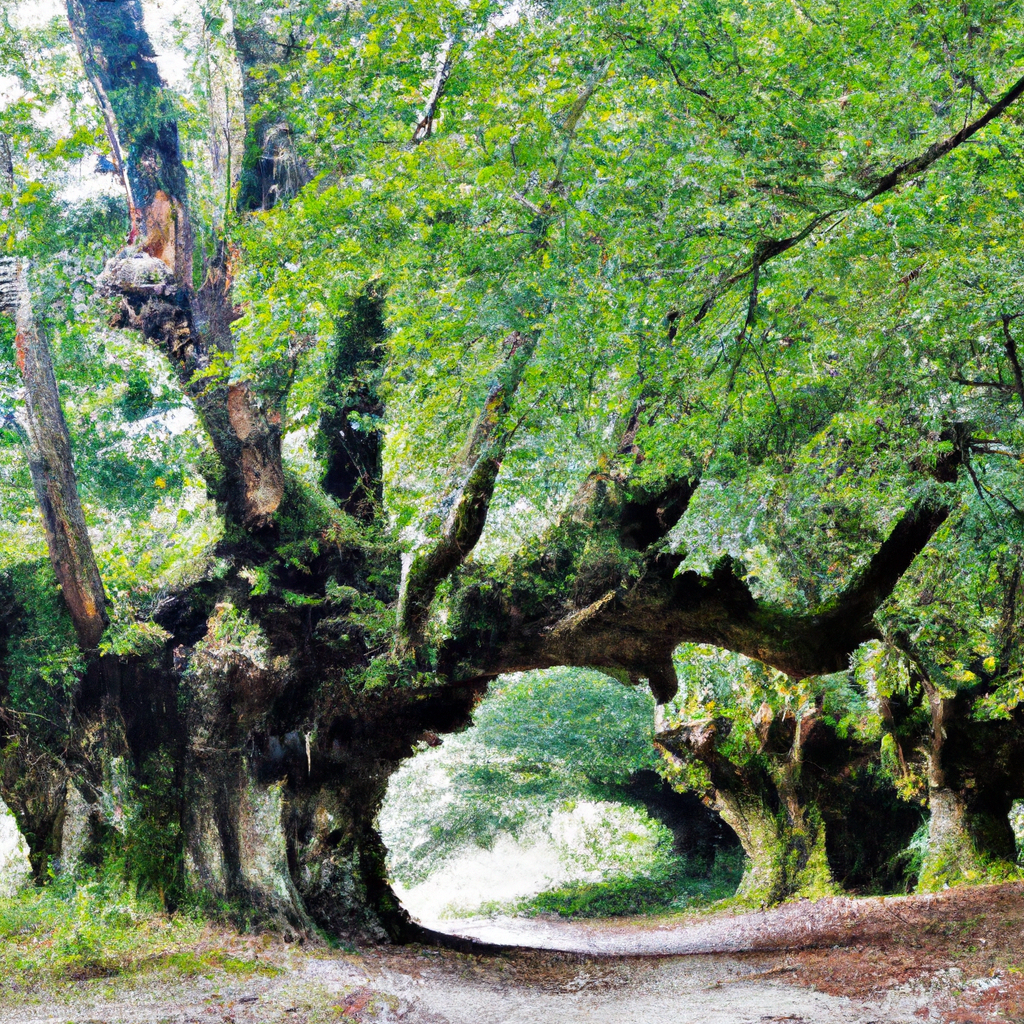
{"points": [[955, 957]]}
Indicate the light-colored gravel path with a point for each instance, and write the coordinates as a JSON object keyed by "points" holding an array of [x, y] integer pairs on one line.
{"points": [[447, 989]]}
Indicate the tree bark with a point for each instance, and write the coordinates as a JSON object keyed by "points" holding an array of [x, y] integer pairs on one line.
{"points": [[462, 513], [272, 169], [50, 463], [956, 833], [968, 799]]}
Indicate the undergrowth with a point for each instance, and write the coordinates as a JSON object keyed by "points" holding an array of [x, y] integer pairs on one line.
{"points": [[97, 927]]}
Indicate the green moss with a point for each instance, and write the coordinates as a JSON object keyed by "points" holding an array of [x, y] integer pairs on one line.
{"points": [[814, 880], [209, 962]]}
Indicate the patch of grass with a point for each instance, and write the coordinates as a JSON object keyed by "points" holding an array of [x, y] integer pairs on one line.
{"points": [[615, 897], [90, 928], [209, 962]]}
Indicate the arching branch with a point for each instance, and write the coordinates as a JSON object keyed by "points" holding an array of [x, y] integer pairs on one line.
{"points": [[638, 608]]}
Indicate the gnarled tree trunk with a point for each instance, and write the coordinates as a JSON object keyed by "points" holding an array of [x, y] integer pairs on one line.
{"points": [[761, 801]]}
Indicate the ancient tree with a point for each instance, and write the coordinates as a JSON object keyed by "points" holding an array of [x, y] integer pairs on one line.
{"points": [[651, 305]]}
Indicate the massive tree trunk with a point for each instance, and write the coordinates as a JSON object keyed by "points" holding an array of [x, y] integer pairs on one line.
{"points": [[762, 801], [279, 711], [50, 462], [154, 279]]}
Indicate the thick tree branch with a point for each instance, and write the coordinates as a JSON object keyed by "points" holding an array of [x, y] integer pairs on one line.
{"points": [[463, 510], [445, 66], [245, 434], [141, 126], [852, 612], [572, 118], [50, 463], [631, 615], [910, 168], [154, 283]]}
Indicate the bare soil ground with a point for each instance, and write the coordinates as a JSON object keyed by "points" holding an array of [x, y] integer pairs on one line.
{"points": [[956, 957]]}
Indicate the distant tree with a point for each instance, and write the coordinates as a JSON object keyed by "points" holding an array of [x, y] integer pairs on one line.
{"points": [[538, 741]]}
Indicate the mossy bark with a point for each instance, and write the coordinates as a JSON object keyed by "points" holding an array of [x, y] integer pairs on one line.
{"points": [[971, 786], [348, 437], [48, 447], [766, 801], [952, 856], [785, 858]]}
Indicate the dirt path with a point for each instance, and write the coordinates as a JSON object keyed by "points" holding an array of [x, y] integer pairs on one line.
{"points": [[838, 921], [956, 957], [449, 989]]}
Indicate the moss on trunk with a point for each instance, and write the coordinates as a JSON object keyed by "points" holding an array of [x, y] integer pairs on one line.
{"points": [[785, 858]]}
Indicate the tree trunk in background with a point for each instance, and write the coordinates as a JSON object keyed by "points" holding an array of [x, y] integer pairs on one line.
{"points": [[783, 837], [271, 167], [786, 852], [969, 796], [951, 855], [348, 437], [51, 465]]}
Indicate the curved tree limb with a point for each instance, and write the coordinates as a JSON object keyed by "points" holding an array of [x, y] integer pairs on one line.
{"points": [[643, 608], [463, 509], [445, 65]]}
